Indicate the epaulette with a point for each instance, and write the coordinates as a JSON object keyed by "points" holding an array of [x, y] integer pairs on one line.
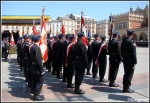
{"points": [[27, 44]]}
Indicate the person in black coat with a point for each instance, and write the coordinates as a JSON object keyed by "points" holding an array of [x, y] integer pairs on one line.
{"points": [[70, 61], [102, 59], [128, 52], [64, 47], [49, 61], [53, 48], [21, 54], [37, 69], [114, 58], [26, 55], [94, 47], [59, 55], [89, 55], [81, 62]]}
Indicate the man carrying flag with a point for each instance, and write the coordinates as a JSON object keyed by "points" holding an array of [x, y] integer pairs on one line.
{"points": [[85, 41]]}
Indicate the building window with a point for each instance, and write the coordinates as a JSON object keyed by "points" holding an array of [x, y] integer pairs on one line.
{"points": [[12, 27], [120, 25], [78, 26], [116, 26], [60, 30], [6, 27], [72, 28], [57, 25], [93, 31], [78, 22], [85, 22], [16, 27], [53, 25], [124, 24]]}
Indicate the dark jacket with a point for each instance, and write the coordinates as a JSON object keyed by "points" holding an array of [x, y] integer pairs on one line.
{"points": [[36, 58], [114, 51], [128, 51], [81, 54], [94, 48], [103, 53], [64, 49]]}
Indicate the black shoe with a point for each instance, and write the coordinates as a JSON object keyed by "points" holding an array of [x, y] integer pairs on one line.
{"points": [[95, 77], [128, 91], [53, 73], [113, 85], [39, 97], [64, 80], [59, 77], [103, 80], [79, 91], [32, 91], [70, 86], [88, 73]]}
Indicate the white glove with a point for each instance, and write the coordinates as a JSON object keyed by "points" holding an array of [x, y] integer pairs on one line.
{"points": [[42, 73], [134, 66]]}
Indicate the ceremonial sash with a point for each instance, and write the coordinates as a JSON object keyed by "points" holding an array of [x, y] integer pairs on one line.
{"points": [[30, 47], [52, 45], [68, 51], [100, 50]]}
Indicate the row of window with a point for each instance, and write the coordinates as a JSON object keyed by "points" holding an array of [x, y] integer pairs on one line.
{"points": [[78, 22], [121, 25], [6, 27]]}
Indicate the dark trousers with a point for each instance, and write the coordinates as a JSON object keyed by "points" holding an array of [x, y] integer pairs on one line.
{"points": [[89, 63], [128, 74], [70, 72], [64, 71], [94, 68], [80, 69], [30, 79], [37, 82], [59, 65], [113, 71], [54, 64], [6, 55], [102, 68], [3, 52]]}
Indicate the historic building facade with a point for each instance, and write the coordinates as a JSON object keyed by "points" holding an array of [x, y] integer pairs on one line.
{"points": [[136, 20]]}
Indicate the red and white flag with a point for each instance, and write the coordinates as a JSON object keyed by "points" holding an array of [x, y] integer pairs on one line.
{"points": [[34, 30], [23, 31], [43, 40], [83, 30], [63, 29], [12, 39]]}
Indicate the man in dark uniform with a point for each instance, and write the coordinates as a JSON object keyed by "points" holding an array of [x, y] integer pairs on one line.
{"points": [[64, 46], [21, 54], [25, 48], [18, 56], [19, 50], [94, 47], [102, 59], [70, 61], [37, 69], [49, 61], [59, 55], [128, 52], [89, 55], [53, 47], [7, 45], [3, 47], [80, 62], [115, 59]]}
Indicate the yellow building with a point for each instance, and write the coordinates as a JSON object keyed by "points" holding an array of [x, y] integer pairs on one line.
{"points": [[18, 23]]}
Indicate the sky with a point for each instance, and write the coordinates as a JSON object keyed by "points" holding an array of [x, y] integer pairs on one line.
{"points": [[97, 10]]}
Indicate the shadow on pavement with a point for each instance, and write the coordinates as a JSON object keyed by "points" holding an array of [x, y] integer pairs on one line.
{"points": [[17, 83], [120, 97]]}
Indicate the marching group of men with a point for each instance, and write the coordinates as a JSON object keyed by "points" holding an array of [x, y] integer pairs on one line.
{"points": [[74, 57]]}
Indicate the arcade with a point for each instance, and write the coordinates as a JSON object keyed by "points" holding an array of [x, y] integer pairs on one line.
{"points": [[18, 24]]}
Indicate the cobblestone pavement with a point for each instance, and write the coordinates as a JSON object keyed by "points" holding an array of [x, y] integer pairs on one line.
{"points": [[14, 88]]}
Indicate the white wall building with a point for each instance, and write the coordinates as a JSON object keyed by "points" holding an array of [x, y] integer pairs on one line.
{"points": [[102, 27]]}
